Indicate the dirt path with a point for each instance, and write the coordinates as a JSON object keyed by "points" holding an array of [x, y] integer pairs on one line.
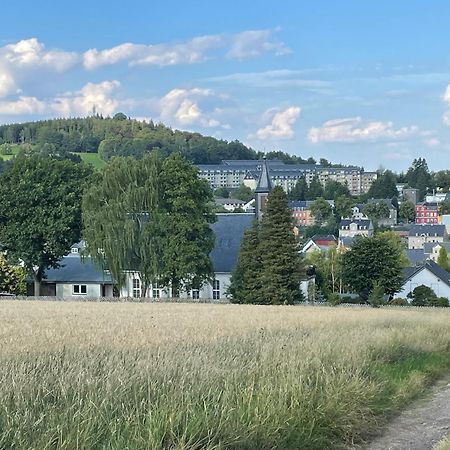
{"points": [[421, 427]]}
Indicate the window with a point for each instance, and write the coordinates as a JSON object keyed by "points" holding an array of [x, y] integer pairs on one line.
{"points": [[195, 294], [216, 289], [74, 250], [136, 287], [79, 289], [156, 291]]}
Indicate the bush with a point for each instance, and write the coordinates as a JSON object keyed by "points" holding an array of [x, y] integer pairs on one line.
{"points": [[334, 299], [441, 302], [399, 302]]}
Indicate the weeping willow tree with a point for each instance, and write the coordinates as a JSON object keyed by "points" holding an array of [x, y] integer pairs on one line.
{"points": [[151, 217]]}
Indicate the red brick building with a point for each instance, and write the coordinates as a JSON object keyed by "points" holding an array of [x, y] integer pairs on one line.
{"points": [[427, 213]]}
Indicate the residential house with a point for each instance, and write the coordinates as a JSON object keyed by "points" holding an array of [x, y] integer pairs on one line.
{"points": [[351, 228], [75, 278], [421, 234], [416, 256], [427, 213], [429, 274], [301, 212], [319, 243], [437, 197], [432, 249]]}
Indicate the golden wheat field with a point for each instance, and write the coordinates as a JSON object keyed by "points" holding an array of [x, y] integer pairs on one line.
{"points": [[198, 376]]}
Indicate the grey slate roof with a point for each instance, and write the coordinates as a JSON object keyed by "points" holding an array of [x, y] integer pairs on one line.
{"points": [[416, 256], [229, 231], [75, 270], [434, 268], [428, 246], [360, 222], [427, 229]]}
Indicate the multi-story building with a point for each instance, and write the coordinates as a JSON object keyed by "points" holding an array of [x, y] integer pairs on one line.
{"points": [[425, 233], [427, 213], [301, 212], [349, 228], [231, 174]]}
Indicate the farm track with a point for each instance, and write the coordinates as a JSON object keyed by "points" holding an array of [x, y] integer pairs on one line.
{"points": [[421, 426]]}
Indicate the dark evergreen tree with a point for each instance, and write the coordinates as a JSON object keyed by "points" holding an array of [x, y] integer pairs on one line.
{"points": [[385, 186], [418, 176], [280, 259], [245, 286], [315, 189], [299, 191]]}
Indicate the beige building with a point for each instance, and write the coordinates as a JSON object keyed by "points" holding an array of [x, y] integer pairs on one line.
{"points": [[425, 233], [231, 174], [349, 228]]}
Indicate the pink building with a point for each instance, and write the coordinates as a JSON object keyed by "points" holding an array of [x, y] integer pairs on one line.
{"points": [[427, 213]]}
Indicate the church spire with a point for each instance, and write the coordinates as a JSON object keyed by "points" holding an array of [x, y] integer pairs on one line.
{"points": [[263, 189]]}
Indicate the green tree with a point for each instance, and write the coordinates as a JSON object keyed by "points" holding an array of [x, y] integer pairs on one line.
{"points": [[221, 192], [422, 296], [280, 259], [385, 186], [373, 259], [299, 191], [245, 283], [418, 176], [321, 210], [443, 259], [376, 211], [444, 208], [12, 278], [334, 189], [152, 217], [40, 211], [376, 297], [343, 207], [315, 189], [243, 193], [188, 238], [407, 211]]}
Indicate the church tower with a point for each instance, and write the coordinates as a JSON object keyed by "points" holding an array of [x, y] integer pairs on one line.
{"points": [[262, 190]]}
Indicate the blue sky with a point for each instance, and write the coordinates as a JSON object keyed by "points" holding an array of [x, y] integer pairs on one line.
{"points": [[356, 82]]}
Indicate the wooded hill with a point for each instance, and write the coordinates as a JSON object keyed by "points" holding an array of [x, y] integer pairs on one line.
{"points": [[120, 136]]}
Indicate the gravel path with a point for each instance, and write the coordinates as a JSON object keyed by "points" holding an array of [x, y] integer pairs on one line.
{"points": [[420, 427]]}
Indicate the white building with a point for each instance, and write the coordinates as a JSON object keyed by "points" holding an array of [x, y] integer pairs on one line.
{"points": [[350, 228], [430, 275]]}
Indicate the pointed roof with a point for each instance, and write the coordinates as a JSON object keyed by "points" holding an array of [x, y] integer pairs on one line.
{"points": [[264, 183]]}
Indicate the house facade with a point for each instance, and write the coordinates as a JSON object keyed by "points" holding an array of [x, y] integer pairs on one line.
{"points": [[421, 234], [349, 228], [429, 274], [427, 213], [231, 174]]}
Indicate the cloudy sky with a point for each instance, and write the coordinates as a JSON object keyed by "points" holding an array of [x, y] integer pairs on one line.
{"points": [[352, 81]]}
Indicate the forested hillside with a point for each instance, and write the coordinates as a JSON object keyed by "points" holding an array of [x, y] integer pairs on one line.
{"points": [[122, 136]]}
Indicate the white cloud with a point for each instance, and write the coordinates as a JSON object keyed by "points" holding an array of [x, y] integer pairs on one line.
{"points": [[184, 107], [355, 129], [446, 115], [281, 124], [253, 43], [90, 96], [242, 45], [20, 61], [22, 106]]}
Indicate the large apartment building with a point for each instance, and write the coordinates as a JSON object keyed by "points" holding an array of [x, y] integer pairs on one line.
{"points": [[231, 174]]}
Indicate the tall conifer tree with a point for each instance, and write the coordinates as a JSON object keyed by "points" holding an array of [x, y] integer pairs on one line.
{"points": [[245, 284], [280, 260]]}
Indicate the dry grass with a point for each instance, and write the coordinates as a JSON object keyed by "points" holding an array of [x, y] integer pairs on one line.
{"points": [[196, 376]]}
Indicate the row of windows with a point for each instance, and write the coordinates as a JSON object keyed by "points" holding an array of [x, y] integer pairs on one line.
{"points": [[156, 290]]}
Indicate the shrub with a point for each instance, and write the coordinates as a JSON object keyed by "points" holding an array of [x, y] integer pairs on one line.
{"points": [[399, 302], [334, 299]]}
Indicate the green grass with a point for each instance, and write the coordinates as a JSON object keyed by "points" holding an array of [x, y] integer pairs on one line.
{"points": [[215, 377], [93, 159]]}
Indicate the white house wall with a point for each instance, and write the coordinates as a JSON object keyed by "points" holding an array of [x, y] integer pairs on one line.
{"points": [[93, 290], [426, 278], [205, 293]]}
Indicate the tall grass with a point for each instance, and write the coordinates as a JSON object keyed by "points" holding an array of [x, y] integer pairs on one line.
{"points": [[174, 376]]}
